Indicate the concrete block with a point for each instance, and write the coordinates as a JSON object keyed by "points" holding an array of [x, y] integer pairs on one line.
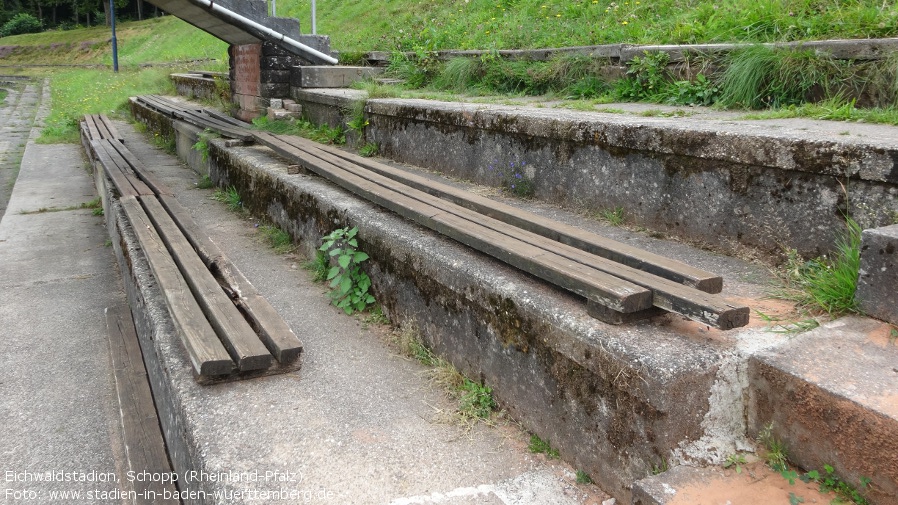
{"points": [[294, 107], [275, 90], [877, 284], [273, 76], [275, 103], [831, 395], [275, 114], [334, 77], [755, 484]]}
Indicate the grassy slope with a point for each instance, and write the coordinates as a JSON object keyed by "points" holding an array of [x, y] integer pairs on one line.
{"points": [[506, 24], [159, 40], [82, 91]]}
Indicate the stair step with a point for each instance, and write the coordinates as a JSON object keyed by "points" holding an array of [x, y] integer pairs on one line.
{"points": [[831, 395], [754, 484]]}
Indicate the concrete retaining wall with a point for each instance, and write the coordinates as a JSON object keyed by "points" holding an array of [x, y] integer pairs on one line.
{"points": [[615, 401], [725, 184]]}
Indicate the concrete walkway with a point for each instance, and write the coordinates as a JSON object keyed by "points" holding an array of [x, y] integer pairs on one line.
{"points": [[58, 406], [17, 114]]}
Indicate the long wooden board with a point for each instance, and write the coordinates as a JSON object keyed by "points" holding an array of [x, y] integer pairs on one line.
{"points": [[205, 351], [468, 229], [194, 117], [264, 319], [123, 184], [598, 286], [144, 443], [234, 332], [669, 295], [141, 171], [111, 129], [613, 250]]}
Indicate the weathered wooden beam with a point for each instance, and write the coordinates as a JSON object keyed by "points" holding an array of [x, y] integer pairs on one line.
{"points": [[235, 333], [669, 295], [613, 250], [271, 328], [144, 445], [590, 283], [205, 351]]}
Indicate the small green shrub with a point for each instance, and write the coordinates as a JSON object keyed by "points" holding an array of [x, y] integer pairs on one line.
{"points": [[19, 24], [513, 178], [647, 78], [370, 149], [205, 182], [614, 217], [319, 266], [830, 482], [583, 477], [202, 143], [349, 283]]}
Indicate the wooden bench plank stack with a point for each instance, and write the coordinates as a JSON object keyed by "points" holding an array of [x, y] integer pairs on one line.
{"points": [[620, 283], [227, 328]]}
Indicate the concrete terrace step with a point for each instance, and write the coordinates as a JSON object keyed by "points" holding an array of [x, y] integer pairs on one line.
{"points": [[357, 425], [615, 401], [831, 395]]}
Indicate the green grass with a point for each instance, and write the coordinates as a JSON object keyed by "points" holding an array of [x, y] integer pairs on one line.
{"points": [[827, 283], [302, 128], [230, 197], [508, 24], [540, 446], [157, 40], [3, 95], [85, 91], [278, 239]]}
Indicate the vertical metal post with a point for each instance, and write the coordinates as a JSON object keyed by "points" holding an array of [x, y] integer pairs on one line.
{"points": [[114, 42], [274, 8], [314, 28]]}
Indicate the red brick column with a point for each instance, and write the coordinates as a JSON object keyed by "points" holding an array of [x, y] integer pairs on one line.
{"points": [[245, 63]]}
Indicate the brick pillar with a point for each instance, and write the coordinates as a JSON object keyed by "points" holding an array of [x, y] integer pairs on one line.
{"points": [[246, 86]]}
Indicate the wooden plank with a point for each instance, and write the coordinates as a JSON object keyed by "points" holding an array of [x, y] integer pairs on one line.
{"points": [[119, 180], [148, 177], [142, 436], [113, 131], [271, 328], [669, 295], [91, 126], [206, 353], [196, 117], [234, 332], [113, 157], [594, 285], [560, 232], [101, 127]]}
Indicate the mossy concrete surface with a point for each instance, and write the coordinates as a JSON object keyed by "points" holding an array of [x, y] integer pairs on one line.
{"points": [[615, 401], [729, 184]]}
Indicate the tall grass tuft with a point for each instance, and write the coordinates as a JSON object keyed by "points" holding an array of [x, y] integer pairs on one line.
{"points": [[828, 283]]}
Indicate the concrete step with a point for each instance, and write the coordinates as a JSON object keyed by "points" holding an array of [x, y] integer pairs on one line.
{"points": [[753, 484], [331, 77], [831, 395]]}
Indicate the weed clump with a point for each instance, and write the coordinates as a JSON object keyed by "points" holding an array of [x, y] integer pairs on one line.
{"points": [[827, 283]]}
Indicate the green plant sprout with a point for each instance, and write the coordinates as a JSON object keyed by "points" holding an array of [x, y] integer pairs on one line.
{"points": [[349, 283]]}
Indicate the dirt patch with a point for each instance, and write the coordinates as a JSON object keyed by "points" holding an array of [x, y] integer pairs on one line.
{"points": [[756, 483]]}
